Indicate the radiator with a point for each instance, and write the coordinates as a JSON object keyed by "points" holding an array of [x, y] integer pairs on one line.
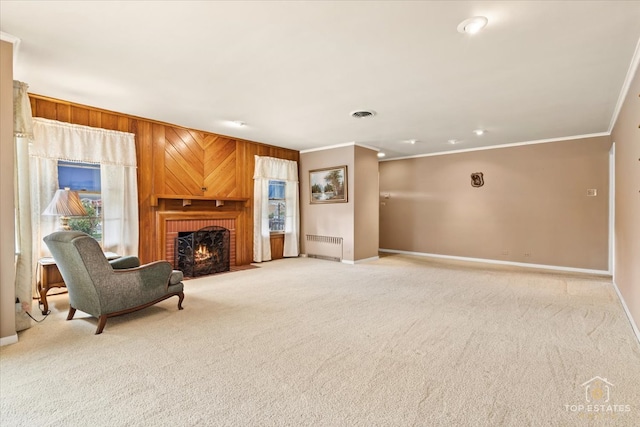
{"points": [[324, 247]]}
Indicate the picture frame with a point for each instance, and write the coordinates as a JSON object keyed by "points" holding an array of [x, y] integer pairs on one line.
{"points": [[328, 185]]}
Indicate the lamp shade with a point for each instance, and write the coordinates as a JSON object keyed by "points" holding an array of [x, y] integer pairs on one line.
{"points": [[65, 203]]}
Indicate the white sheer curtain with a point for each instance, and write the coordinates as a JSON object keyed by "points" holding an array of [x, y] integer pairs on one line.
{"points": [[116, 154], [25, 261], [269, 168]]}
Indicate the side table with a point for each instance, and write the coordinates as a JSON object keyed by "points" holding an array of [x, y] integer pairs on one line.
{"points": [[50, 277]]}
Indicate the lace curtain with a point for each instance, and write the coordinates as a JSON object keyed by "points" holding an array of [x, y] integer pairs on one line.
{"points": [[269, 168], [25, 261], [116, 154]]}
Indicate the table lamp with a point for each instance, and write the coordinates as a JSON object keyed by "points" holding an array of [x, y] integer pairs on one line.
{"points": [[65, 203]]}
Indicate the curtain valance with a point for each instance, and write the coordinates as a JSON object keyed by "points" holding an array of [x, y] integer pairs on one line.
{"points": [[77, 143], [278, 169]]}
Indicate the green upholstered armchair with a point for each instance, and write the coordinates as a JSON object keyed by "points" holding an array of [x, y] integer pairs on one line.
{"points": [[103, 289]]}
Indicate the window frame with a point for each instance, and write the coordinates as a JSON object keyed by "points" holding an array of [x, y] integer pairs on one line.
{"points": [[280, 200]]}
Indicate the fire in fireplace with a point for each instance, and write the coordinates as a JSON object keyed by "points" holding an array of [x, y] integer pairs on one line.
{"points": [[202, 252]]}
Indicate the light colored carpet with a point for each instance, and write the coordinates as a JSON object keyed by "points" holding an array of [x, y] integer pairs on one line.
{"points": [[401, 341]]}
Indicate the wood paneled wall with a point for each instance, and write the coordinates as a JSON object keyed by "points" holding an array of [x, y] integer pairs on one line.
{"points": [[174, 160]]}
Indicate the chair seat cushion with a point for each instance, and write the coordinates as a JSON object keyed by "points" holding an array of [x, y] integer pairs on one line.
{"points": [[176, 277]]}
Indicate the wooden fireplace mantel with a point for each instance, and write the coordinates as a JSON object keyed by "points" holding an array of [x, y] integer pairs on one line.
{"points": [[186, 199]]}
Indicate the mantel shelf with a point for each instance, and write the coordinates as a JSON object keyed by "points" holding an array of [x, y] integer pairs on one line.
{"points": [[186, 199]]}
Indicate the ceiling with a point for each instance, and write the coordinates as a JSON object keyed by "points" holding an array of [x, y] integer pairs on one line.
{"points": [[294, 72]]}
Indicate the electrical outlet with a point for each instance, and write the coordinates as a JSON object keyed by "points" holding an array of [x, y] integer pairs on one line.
{"points": [[592, 192], [527, 254]]}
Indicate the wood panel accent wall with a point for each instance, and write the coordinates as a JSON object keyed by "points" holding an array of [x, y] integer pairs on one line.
{"points": [[277, 246], [175, 160]]}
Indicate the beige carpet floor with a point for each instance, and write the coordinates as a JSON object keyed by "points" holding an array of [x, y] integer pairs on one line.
{"points": [[402, 341]]}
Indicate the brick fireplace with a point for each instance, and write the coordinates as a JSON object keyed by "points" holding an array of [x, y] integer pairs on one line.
{"points": [[171, 224]]}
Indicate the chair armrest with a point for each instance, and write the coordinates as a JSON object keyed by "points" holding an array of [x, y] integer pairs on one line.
{"points": [[176, 277], [148, 276], [125, 262]]}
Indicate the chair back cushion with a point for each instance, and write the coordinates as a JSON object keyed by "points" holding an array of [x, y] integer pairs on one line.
{"points": [[81, 263]]}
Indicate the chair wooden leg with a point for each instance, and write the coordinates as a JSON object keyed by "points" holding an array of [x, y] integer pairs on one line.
{"points": [[102, 320], [181, 296], [72, 312]]}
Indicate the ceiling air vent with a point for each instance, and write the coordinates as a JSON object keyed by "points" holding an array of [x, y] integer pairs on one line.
{"points": [[363, 113]]}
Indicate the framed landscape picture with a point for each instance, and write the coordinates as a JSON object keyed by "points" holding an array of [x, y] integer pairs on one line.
{"points": [[328, 185]]}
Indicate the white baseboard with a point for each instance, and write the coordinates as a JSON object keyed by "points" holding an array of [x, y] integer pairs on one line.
{"points": [[500, 262], [358, 261], [634, 326], [346, 261], [11, 339]]}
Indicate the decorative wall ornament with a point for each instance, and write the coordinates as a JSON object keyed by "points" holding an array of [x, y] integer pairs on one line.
{"points": [[477, 179]]}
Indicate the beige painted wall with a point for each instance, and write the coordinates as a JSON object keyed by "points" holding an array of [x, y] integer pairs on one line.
{"points": [[533, 207], [365, 196], [331, 219], [7, 249], [626, 135], [355, 221]]}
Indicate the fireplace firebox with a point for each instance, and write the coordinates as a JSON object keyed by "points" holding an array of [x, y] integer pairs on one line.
{"points": [[202, 252]]}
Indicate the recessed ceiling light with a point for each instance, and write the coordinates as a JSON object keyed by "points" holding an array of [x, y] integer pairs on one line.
{"points": [[381, 154], [453, 141], [472, 25], [360, 114], [412, 141], [479, 132]]}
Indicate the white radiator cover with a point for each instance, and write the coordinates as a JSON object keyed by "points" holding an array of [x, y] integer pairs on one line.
{"points": [[324, 247]]}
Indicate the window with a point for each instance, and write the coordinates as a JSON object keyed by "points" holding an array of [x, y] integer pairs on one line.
{"points": [[276, 206], [84, 178]]}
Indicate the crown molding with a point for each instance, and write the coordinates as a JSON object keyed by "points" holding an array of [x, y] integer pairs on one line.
{"points": [[9, 38], [346, 144], [493, 147], [15, 41]]}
